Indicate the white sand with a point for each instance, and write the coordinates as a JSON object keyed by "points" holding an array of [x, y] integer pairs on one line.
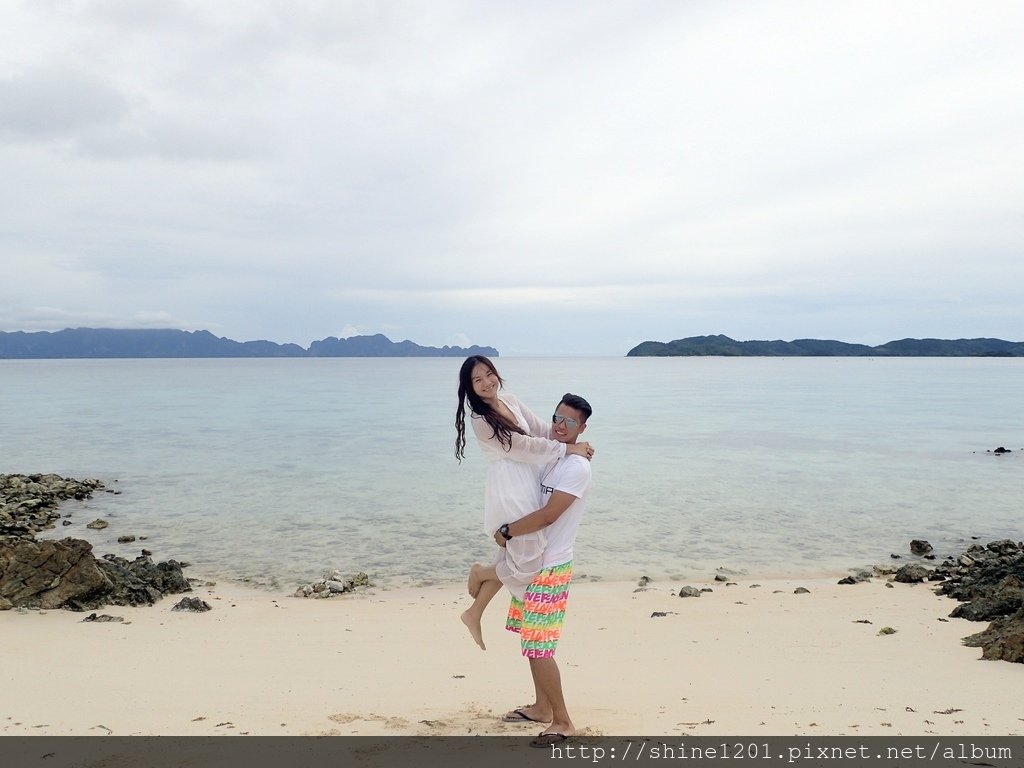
{"points": [[740, 660]]}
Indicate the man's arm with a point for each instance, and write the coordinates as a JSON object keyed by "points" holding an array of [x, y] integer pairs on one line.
{"points": [[540, 518]]}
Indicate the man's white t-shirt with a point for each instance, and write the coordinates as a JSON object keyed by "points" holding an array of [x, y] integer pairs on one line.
{"points": [[571, 475]]}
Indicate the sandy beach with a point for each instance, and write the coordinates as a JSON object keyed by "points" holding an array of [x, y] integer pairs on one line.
{"points": [[753, 658]]}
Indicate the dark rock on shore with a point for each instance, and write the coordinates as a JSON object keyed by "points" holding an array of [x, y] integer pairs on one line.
{"points": [[48, 574], [912, 574], [989, 582], [65, 573], [1003, 640], [138, 582], [920, 547], [192, 605]]}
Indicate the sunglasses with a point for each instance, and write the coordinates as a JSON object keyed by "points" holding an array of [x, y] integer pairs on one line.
{"points": [[570, 423]]}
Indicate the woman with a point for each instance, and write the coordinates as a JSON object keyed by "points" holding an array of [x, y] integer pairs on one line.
{"points": [[517, 446]]}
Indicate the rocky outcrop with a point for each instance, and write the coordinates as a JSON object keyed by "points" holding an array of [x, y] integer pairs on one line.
{"points": [[28, 503], [49, 574], [1003, 640], [989, 582], [65, 573]]}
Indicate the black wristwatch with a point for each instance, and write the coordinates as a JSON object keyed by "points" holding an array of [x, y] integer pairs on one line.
{"points": [[504, 532]]}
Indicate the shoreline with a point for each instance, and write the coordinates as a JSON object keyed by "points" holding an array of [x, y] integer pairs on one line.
{"points": [[397, 661]]}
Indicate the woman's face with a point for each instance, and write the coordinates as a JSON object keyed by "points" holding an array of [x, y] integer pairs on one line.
{"points": [[485, 382]]}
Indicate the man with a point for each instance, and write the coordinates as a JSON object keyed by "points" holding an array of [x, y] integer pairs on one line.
{"points": [[538, 617]]}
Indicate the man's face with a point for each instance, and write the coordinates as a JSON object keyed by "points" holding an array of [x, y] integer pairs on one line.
{"points": [[567, 424]]}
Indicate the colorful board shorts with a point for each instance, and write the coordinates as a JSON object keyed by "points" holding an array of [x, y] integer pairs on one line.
{"points": [[538, 617]]}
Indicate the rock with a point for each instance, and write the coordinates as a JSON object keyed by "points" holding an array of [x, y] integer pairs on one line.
{"points": [[98, 524], [887, 631], [333, 583], [65, 574], [689, 592], [644, 581], [48, 574], [146, 553], [912, 574], [989, 583], [102, 617], [140, 581], [192, 605], [801, 591], [5, 604], [28, 503], [986, 609], [1004, 547], [920, 547], [66, 522], [1001, 450], [125, 539], [720, 577], [1003, 640], [856, 578]]}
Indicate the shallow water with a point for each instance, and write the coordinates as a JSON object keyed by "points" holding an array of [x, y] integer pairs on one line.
{"points": [[275, 470]]}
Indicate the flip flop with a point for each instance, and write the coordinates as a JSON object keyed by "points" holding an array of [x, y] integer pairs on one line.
{"points": [[548, 740], [518, 716]]}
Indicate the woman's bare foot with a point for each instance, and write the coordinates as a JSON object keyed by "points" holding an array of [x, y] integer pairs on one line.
{"points": [[472, 623]]}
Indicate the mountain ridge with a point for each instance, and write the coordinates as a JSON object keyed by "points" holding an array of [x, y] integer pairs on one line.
{"points": [[94, 343], [723, 346]]}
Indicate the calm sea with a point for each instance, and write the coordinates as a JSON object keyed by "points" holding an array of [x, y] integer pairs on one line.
{"points": [[273, 471]]}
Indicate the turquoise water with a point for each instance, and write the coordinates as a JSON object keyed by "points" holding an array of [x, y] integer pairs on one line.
{"points": [[275, 470]]}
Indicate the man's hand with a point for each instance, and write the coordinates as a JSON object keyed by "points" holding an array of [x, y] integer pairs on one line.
{"points": [[499, 539]]}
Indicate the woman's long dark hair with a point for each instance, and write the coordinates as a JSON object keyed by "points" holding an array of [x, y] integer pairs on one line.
{"points": [[502, 429]]}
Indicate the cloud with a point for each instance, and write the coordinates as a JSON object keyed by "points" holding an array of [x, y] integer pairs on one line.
{"points": [[48, 105], [455, 168], [54, 319]]}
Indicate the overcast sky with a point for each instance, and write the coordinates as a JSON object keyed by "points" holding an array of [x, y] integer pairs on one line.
{"points": [[549, 178]]}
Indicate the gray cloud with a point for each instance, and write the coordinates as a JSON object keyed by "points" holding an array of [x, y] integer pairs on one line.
{"points": [[485, 172], [44, 105]]}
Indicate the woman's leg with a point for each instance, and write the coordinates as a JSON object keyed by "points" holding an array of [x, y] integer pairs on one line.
{"points": [[483, 585]]}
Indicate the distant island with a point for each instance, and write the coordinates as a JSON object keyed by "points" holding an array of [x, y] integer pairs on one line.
{"points": [[695, 346], [126, 343]]}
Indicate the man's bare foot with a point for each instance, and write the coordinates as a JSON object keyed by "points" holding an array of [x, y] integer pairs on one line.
{"points": [[565, 728], [530, 714], [475, 579], [473, 625]]}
